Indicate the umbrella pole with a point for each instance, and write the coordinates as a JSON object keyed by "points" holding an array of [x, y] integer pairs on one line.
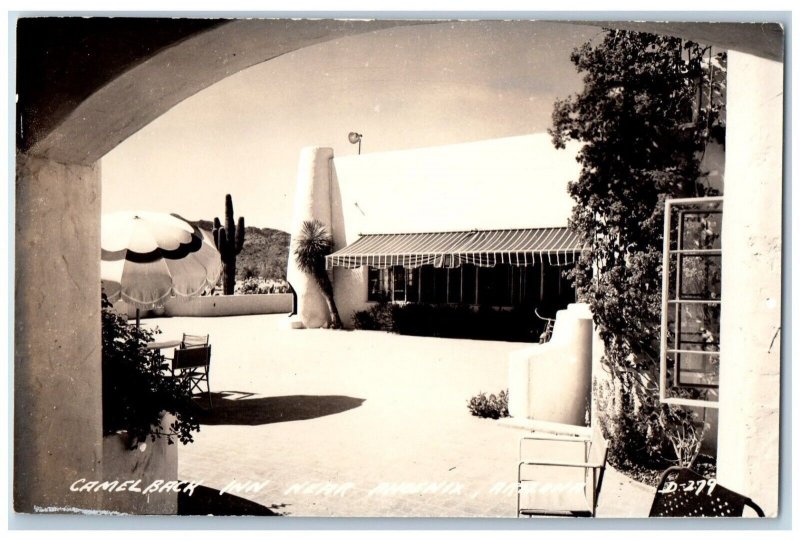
{"points": [[137, 319]]}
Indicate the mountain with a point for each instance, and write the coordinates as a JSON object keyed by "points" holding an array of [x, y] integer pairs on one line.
{"points": [[265, 252]]}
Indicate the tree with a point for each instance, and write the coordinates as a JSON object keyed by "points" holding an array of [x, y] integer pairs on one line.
{"points": [[649, 107], [313, 244]]}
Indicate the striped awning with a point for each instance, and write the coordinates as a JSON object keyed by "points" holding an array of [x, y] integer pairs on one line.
{"points": [[520, 247]]}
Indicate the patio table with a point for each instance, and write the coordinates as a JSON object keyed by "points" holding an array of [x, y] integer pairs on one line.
{"points": [[163, 345]]}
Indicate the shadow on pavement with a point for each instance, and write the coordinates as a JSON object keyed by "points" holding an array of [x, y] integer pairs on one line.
{"points": [[231, 408], [208, 501]]}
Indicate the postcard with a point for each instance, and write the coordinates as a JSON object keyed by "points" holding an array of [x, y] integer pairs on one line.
{"points": [[398, 268]]}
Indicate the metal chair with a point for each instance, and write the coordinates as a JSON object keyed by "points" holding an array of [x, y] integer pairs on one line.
{"points": [[578, 484], [683, 492], [192, 363], [548, 328]]}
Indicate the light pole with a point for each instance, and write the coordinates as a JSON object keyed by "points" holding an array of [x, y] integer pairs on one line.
{"points": [[354, 138]]}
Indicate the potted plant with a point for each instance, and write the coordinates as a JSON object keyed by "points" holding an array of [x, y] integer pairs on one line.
{"points": [[136, 394]]}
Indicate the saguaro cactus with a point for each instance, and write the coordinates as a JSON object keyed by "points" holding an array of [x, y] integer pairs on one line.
{"points": [[229, 240]]}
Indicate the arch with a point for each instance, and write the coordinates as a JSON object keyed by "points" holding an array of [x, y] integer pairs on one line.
{"points": [[105, 100], [138, 82]]}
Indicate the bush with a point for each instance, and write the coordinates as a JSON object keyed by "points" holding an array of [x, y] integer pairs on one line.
{"points": [[379, 317], [642, 432], [366, 321], [451, 321], [135, 392], [260, 286], [492, 406]]}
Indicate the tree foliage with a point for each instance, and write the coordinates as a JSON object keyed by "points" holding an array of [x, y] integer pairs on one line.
{"points": [[649, 108], [136, 392]]}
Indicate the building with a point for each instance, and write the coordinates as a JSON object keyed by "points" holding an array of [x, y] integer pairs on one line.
{"points": [[475, 224]]}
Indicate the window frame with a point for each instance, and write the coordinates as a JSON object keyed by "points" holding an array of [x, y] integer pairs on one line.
{"points": [[667, 303]]}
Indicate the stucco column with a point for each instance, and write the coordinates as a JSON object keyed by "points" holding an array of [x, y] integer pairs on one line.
{"points": [[312, 201], [57, 350], [349, 285], [749, 403]]}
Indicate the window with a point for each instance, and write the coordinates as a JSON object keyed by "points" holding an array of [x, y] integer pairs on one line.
{"points": [[691, 301], [378, 284], [412, 285], [426, 284], [503, 285], [486, 286], [440, 285], [468, 284], [454, 285], [399, 283], [393, 284]]}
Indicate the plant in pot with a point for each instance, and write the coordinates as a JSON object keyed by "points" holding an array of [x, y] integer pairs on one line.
{"points": [[136, 393]]}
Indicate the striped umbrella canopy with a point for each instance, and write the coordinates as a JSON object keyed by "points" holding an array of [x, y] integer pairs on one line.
{"points": [[148, 257]]}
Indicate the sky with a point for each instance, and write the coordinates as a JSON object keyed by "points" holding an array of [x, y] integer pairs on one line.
{"points": [[402, 88]]}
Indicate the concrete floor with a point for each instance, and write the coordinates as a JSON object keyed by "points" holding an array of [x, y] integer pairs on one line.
{"points": [[359, 424]]}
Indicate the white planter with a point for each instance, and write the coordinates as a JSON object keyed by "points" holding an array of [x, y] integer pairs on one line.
{"points": [[152, 461]]}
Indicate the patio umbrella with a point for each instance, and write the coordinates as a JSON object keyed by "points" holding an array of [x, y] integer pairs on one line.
{"points": [[148, 257]]}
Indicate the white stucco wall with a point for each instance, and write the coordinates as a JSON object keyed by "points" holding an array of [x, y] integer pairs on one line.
{"points": [[312, 201], [57, 356], [552, 382], [514, 182], [749, 406]]}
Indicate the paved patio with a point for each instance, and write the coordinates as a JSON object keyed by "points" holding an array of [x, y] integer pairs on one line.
{"points": [[359, 423]]}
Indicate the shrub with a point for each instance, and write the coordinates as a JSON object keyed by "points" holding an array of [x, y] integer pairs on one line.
{"points": [[450, 321], [249, 272], [135, 392], [365, 321], [260, 286], [379, 317], [642, 432], [492, 406], [684, 432]]}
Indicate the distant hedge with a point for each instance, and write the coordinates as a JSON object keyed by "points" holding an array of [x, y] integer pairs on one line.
{"points": [[449, 321]]}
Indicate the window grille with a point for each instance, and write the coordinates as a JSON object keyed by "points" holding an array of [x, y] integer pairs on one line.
{"points": [[691, 302]]}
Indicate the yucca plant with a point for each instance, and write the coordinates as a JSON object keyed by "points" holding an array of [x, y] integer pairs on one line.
{"points": [[311, 247]]}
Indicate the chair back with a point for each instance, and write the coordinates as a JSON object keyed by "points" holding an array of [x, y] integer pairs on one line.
{"points": [[191, 357], [194, 340], [682, 492], [582, 465]]}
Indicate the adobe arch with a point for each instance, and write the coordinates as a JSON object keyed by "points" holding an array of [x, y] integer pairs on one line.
{"points": [[85, 85]]}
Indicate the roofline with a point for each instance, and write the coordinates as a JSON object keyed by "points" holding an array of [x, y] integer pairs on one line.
{"points": [[466, 231]]}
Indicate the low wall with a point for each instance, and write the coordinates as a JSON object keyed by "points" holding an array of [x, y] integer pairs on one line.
{"points": [[217, 306], [230, 305], [552, 382]]}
